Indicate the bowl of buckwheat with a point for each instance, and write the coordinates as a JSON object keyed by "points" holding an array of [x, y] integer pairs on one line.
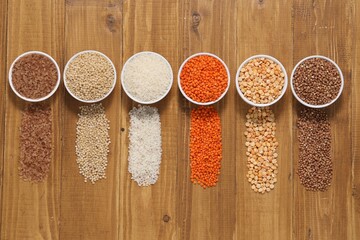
{"points": [[316, 81]]}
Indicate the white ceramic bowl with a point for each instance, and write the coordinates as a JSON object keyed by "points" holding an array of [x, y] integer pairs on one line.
{"points": [[311, 105], [38, 99], [202, 54], [133, 97], [261, 104], [93, 100]]}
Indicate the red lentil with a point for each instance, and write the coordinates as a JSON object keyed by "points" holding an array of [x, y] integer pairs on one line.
{"points": [[205, 146], [203, 78]]}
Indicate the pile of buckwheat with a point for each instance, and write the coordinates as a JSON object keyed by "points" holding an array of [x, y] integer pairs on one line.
{"points": [[315, 164]]}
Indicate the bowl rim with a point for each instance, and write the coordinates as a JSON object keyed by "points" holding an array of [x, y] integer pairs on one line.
{"points": [[312, 105], [283, 90], [37, 99], [204, 54], [146, 53], [93, 100]]}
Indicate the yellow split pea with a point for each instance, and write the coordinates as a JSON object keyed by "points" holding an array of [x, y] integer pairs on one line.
{"points": [[261, 149], [261, 80]]}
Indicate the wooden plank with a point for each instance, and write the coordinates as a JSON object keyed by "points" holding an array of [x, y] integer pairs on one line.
{"points": [[91, 211], [326, 28], [151, 211], [355, 127], [210, 213], [3, 83], [264, 27], [31, 211]]}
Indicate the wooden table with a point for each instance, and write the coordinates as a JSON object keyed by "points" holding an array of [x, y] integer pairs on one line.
{"points": [[64, 207]]}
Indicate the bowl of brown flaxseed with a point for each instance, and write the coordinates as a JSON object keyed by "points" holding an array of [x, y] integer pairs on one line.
{"points": [[34, 76]]}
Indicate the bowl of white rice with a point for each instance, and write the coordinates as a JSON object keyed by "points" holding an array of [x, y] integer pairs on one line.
{"points": [[146, 77]]}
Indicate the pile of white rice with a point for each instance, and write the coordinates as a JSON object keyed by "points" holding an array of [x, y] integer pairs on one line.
{"points": [[144, 145], [147, 77]]}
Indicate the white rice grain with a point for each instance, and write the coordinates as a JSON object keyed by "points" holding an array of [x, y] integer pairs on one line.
{"points": [[144, 145], [147, 77]]}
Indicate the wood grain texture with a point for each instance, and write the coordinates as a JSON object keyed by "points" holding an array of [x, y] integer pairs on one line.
{"points": [[3, 84], [326, 28], [31, 211], [94, 25], [355, 127], [210, 213], [264, 27], [64, 207], [151, 211]]}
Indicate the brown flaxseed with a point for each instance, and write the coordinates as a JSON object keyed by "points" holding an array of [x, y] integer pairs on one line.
{"points": [[35, 143], [34, 76]]}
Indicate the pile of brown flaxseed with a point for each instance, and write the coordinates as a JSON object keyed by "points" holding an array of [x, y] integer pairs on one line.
{"points": [[35, 143]]}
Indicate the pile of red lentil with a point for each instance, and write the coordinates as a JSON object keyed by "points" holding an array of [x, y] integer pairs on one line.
{"points": [[205, 146]]}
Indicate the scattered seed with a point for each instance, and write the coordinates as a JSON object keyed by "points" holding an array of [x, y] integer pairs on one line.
{"points": [[317, 81], [144, 145], [92, 142], [35, 143], [315, 164], [205, 146], [34, 76], [261, 151]]}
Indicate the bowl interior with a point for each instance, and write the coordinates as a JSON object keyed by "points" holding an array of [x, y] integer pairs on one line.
{"points": [[92, 100], [37, 99], [311, 105], [133, 97], [203, 103], [282, 91]]}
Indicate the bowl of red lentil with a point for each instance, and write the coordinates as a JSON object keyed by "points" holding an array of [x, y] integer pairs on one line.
{"points": [[261, 80], [316, 81], [89, 76], [34, 76], [203, 78]]}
